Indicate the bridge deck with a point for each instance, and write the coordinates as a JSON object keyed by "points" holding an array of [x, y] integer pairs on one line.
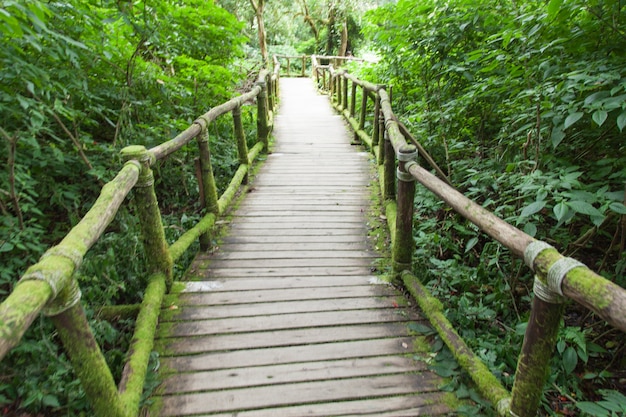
{"points": [[287, 318]]}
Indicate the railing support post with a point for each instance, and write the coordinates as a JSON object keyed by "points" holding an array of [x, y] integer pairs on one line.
{"points": [[353, 99], [339, 91], [303, 65], [242, 146], [389, 168], [270, 95], [403, 246], [539, 342], [376, 123], [344, 100], [207, 183], [261, 120], [362, 116], [156, 250], [94, 374]]}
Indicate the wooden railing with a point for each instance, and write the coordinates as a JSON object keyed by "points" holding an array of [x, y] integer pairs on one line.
{"points": [[557, 277], [50, 286]]}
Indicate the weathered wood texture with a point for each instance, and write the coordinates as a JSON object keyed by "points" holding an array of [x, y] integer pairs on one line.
{"points": [[285, 317]]}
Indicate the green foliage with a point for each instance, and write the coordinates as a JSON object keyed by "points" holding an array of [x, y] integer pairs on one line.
{"points": [[81, 80], [523, 104]]}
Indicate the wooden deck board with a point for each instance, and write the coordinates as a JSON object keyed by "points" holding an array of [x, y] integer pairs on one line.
{"points": [[286, 317]]}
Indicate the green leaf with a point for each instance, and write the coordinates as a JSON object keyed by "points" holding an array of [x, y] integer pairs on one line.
{"points": [[583, 207], [532, 208], [599, 116], [572, 118], [421, 329], [530, 229], [570, 360], [560, 210], [592, 409], [557, 136], [621, 121], [470, 244], [553, 7], [618, 208]]}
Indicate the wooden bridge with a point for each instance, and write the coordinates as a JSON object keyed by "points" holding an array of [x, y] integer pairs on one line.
{"points": [[286, 318], [287, 315]]}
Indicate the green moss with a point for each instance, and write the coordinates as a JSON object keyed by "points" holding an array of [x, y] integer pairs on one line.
{"points": [[117, 312], [178, 248], [131, 386], [486, 382], [89, 363]]}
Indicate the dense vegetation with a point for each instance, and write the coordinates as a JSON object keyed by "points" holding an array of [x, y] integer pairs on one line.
{"points": [[79, 81], [523, 104]]}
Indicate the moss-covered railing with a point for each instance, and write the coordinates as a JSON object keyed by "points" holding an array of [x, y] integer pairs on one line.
{"points": [[557, 277], [50, 286]]}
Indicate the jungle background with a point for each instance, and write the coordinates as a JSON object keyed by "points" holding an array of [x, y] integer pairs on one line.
{"points": [[522, 102]]}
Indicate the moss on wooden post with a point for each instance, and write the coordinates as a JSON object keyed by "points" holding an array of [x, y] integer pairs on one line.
{"points": [[376, 125], [344, 99], [534, 360], [339, 91], [404, 245], [242, 146], [270, 94], [261, 120], [362, 115], [85, 355], [157, 254], [353, 99], [207, 185], [303, 65], [389, 165], [134, 374], [487, 383]]}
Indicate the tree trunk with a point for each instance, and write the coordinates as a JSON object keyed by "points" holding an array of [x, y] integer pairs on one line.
{"points": [[258, 11], [343, 48]]}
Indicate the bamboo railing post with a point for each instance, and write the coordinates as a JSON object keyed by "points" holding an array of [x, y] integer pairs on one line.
{"points": [[362, 115], [382, 143], [68, 316], [539, 341], [389, 168], [339, 91], [207, 183], [270, 94], [288, 67], [353, 99], [156, 249], [303, 65], [242, 146], [404, 245], [376, 123], [344, 100], [261, 119]]}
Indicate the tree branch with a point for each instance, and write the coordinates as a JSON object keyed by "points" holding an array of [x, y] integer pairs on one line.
{"points": [[73, 138], [11, 168]]}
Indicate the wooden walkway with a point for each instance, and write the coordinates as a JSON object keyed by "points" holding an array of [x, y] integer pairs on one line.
{"points": [[286, 318]]}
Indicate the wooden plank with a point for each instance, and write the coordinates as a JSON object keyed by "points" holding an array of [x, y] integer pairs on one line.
{"points": [[357, 245], [289, 394], [190, 313], [280, 338], [288, 294], [285, 230], [424, 404], [285, 272], [287, 321], [249, 284], [310, 225], [289, 373], [274, 253], [291, 239], [287, 263]]}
